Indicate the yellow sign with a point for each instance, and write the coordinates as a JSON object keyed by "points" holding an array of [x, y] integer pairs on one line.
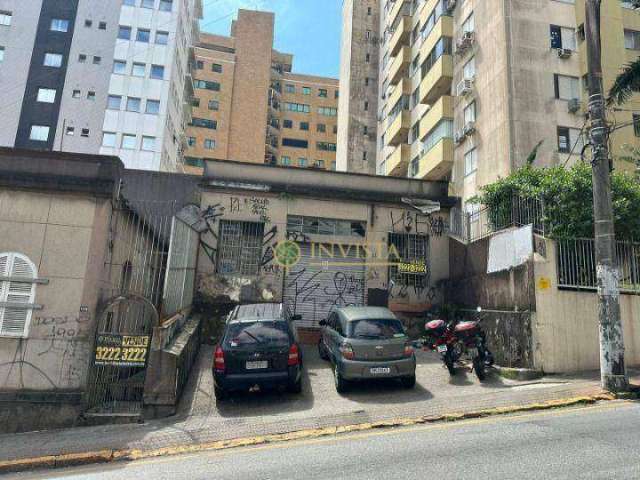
{"points": [[544, 283], [414, 267], [122, 350]]}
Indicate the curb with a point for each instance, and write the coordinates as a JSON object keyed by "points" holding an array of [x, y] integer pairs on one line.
{"points": [[521, 374], [116, 455]]}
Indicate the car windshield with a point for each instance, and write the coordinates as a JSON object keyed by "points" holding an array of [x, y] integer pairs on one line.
{"points": [[376, 328], [244, 333]]}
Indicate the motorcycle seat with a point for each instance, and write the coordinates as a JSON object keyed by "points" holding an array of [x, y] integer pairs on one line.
{"points": [[465, 326], [434, 324]]}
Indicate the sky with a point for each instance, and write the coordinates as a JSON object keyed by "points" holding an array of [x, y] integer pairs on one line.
{"points": [[309, 29]]}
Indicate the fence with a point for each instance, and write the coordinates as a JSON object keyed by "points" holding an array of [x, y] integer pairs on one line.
{"points": [[181, 268], [577, 265], [518, 211]]}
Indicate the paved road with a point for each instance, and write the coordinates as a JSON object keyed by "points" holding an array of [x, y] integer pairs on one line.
{"points": [[599, 442]]}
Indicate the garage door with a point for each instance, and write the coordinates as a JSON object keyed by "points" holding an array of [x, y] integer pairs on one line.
{"points": [[314, 286]]}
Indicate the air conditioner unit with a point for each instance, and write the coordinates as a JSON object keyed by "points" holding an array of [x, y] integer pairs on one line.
{"points": [[450, 5], [465, 41], [564, 52], [465, 87], [458, 137], [469, 128], [573, 105]]}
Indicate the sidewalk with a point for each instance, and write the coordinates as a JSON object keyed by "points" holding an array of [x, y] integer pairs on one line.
{"points": [[200, 420]]}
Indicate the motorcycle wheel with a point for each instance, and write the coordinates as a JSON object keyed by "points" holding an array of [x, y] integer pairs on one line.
{"points": [[448, 361], [478, 367]]}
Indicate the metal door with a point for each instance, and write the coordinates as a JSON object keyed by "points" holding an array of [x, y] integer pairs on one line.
{"points": [[315, 285]]}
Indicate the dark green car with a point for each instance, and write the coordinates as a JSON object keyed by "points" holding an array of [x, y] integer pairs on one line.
{"points": [[367, 343]]}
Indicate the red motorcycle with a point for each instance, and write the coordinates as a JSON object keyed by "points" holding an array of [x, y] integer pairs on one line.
{"points": [[456, 341]]}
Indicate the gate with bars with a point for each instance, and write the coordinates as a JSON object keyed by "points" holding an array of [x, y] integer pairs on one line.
{"points": [[151, 271]]}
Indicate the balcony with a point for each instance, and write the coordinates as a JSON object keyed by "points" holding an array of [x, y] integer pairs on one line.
{"points": [[437, 81], [401, 6], [400, 37], [402, 89], [443, 108], [398, 130], [442, 28], [400, 66], [436, 164], [398, 161]]}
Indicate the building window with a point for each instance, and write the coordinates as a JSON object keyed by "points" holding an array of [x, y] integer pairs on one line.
{"points": [[326, 226], [206, 85], [209, 144], [195, 102], [147, 3], [470, 161], [130, 3], [148, 144], [82, 58], [469, 69], [157, 72], [128, 142], [52, 60], [166, 5], [322, 128], [162, 38], [304, 125], [563, 37], [152, 107], [566, 87], [124, 33], [91, 95], [335, 129], [76, 94], [59, 25], [114, 102], [199, 65], [191, 141], [306, 90], [108, 139], [287, 123], [71, 131], [39, 133], [326, 146], [5, 18], [302, 162], [46, 95], [414, 166], [297, 107], [631, 39], [1, 54], [138, 69], [20, 292], [285, 161], [328, 111], [336, 94], [367, 58], [569, 139], [411, 268], [216, 67], [119, 67], [366, 106], [319, 164], [84, 132], [102, 25], [239, 247], [88, 23], [333, 165], [470, 113], [289, 88], [143, 35], [323, 93], [97, 60], [213, 105], [204, 123], [133, 104], [295, 143]]}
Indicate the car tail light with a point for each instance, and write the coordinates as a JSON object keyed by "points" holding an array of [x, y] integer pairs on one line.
{"points": [[347, 351], [408, 350], [294, 355], [218, 360]]}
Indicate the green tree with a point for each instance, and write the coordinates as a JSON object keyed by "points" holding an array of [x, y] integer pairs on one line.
{"points": [[626, 84]]}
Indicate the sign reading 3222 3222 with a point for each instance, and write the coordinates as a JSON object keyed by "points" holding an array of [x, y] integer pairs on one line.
{"points": [[122, 350]]}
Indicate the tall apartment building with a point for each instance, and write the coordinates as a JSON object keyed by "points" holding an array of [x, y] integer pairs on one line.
{"points": [[358, 106], [250, 107], [105, 77], [468, 88]]}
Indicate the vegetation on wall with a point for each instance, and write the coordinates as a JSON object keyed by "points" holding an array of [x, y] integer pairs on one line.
{"points": [[568, 199]]}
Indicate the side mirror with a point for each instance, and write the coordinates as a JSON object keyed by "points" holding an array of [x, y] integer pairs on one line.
{"points": [[296, 317], [323, 323]]}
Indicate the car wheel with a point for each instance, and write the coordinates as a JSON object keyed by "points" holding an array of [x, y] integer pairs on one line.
{"points": [[341, 383], [295, 387], [408, 382], [322, 352], [220, 394]]}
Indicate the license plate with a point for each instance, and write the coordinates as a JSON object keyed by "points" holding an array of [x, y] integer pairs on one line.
{"points": [[257, 365], [442, 349], [380, 370], [472, 352]]}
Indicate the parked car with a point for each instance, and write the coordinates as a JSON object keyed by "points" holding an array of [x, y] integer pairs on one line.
{"points": [[259, 349], [366, 343]]}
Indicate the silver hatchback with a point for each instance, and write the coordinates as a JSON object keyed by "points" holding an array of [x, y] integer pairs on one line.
{"points": [[364, 343]]}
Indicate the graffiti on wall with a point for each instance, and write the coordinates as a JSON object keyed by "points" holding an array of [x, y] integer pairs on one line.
{"points": [[406, 221]]}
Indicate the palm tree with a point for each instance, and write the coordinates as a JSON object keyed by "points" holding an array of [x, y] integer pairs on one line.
{"points": [[626, 84]]}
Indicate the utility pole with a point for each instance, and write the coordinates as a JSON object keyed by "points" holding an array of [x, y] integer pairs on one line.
{"points": [[612, 368]]}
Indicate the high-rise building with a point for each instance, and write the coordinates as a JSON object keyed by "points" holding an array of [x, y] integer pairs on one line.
{"points": [[358, 106], [469, 88], [106, 77], [249, 106]]}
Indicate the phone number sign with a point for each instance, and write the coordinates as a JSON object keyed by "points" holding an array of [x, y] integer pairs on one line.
{"points": [[122, 350]]}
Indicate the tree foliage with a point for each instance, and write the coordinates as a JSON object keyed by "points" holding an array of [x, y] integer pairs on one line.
{"points": [[567, 194], [626, 84]]}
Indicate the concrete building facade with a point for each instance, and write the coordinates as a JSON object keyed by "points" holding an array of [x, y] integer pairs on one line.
{"points": [[250, 107], [359, 68], [108, 78]]}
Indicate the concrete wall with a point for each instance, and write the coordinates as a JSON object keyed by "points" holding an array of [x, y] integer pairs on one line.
{"points": [[566, 326]]}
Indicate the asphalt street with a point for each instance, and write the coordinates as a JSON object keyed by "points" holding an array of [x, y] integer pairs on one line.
{"points": [[599, 442]]}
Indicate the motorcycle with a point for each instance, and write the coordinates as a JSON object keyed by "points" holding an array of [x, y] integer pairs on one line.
{"points": [[458, 340]]}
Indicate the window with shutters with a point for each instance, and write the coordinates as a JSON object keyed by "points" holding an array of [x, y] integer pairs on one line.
{"points": [[17, 294]]}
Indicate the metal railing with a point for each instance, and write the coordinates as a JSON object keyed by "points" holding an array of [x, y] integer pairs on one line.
{"points": [[577, 269]]}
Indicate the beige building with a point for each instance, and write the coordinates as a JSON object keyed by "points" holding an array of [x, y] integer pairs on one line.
{"points": [[468, 88], [250, 107]]}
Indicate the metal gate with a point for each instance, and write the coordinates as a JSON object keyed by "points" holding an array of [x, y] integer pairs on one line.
{"points": [[320, 282]]}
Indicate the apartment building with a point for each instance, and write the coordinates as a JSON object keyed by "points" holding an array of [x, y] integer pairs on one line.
{"points": [[469, 88], [98, 77], [249, 106], [359, 68]]}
